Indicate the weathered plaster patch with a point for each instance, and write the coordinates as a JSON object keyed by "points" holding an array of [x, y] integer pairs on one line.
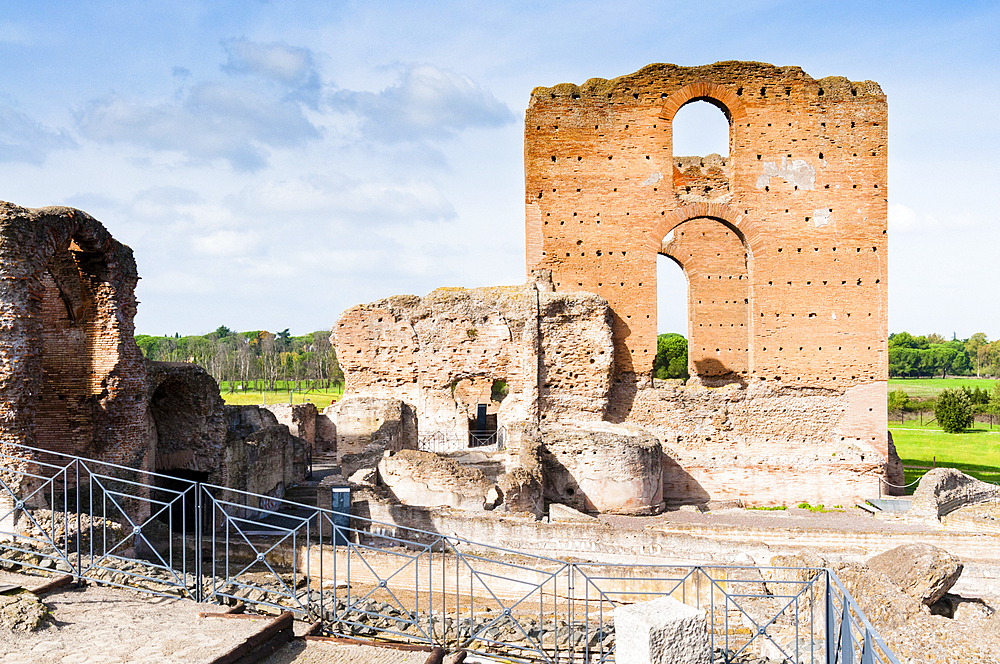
{"points": [[799, 173], [652, 179], [821, 217]]}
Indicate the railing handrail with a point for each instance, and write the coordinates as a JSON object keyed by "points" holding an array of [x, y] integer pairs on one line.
{"points": [[531, 579]]}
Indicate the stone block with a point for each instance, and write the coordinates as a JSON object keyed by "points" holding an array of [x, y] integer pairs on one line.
{"points": [[944, 490], [920, 570], [661, 631], [601, 467]]}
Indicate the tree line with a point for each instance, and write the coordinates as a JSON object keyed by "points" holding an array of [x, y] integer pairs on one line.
{"points": [[257, 360], [932, 355]]}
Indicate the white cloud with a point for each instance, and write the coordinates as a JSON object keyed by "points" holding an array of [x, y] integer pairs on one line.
{"points": [[23, 139], [426, 102], [213, 121], [371, 201], [226, 243], [288, 65]]}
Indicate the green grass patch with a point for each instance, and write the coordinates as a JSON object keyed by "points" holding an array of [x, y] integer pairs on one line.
{"points": [[820, 508], [768, 508], [321, 397], [975, 452], [931, 387]]}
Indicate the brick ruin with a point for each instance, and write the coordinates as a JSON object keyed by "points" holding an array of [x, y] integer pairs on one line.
{"points": [[784, 247], [73, 380]]}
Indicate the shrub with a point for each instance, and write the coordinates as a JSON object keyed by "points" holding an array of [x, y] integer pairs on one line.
{"points": [[954, 411], [898, 400]]}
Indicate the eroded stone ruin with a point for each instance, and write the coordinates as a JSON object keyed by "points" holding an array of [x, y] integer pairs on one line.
{"points": [[784, 248], [72, 379]]}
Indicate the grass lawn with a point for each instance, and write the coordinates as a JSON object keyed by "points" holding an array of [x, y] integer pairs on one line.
{"points": [[929, 387], [975, 452], [320, 397]]}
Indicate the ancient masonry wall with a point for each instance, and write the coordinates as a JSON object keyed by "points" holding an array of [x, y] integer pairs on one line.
{"points": [[783, 244], [438, 352], [784, 248], [71, 377], [806, 195]]}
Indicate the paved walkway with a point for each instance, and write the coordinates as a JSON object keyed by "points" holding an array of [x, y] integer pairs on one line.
{"points": [[96, 625]]}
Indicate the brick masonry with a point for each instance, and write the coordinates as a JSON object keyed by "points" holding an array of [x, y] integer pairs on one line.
{"points": [[784, 247], [71, 376]]}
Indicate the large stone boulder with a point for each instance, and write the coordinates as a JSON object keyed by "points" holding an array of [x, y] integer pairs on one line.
{"points": [[944, 490], [602, 467], [920, 570], [425, 479], [522, 491]]}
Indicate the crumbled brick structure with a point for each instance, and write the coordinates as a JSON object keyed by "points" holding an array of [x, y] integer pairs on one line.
{"points": [[73, 380], [438, 352], [784, 247], [803, 193], [185, 422], [71, 376]]}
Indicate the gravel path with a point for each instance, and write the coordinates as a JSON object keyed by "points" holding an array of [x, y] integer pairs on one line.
{"points": [[96, 625]]}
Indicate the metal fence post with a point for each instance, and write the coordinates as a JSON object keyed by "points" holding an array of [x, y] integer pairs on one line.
{"points": [[199, 590], [868, 653], [79, 526], [846, 638], [831, 625]]}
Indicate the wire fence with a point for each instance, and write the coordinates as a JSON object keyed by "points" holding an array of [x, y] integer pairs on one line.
{"points": [[380, 581]]}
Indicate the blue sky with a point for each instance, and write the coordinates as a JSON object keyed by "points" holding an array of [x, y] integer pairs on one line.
{"points": [[274, 162]]}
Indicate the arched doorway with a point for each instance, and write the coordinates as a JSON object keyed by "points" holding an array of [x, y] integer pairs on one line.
{"points": [[715, 261]]}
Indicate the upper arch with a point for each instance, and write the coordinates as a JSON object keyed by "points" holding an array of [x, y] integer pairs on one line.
{"points": [[724, 98], [737, 222]]}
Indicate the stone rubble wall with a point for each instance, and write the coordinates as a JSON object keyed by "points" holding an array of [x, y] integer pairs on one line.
{"points": [[186, 424], [261, 456]]}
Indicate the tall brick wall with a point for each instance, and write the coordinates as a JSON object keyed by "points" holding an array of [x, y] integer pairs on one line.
{"points": [[806, 180], [71, 377]]}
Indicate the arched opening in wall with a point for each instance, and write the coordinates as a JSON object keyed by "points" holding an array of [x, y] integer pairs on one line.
{"points": [[701, 139], [671, 317], [479, 398], [713, 259]]}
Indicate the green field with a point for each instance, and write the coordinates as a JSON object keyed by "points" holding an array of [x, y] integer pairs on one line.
{"points": [[319, 396], [930, 387], [975, 452]]}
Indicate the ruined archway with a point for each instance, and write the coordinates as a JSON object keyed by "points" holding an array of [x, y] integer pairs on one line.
{"points": [[73, 380], [715, 262]]}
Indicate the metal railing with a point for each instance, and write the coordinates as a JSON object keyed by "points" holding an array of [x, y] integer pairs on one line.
{"points": [[443, 442], [380, 581]]}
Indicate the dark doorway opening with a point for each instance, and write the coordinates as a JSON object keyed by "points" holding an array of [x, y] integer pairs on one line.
{"points": [[483, 428], [175, 495]]}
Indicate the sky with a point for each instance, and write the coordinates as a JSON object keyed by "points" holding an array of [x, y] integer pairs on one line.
{"points": [[273, 162]]}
